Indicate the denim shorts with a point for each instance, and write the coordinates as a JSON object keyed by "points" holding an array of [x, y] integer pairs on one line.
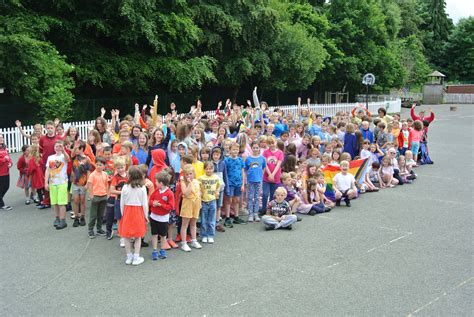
{"points": [[234, 191], [220, 200], [415, 146], [78, 190]]}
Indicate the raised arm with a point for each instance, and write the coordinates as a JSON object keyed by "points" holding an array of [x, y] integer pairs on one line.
{"points": [[154, 116]]}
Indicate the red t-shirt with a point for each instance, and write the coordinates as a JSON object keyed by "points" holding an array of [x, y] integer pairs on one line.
{"points": [[118, 182], [46, 144], [166, 200]]}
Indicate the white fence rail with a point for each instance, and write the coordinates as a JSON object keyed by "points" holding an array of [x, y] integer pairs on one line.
{"points": [[15, 141], [458, 98]]}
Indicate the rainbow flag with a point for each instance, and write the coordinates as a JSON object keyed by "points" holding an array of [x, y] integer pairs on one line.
{"points": [[358, 168]]}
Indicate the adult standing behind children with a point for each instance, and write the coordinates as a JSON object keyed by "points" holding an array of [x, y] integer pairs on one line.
{"points": [[421, 115], [47, 148]]}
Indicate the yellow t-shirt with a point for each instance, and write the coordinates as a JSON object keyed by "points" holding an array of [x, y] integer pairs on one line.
{"points": [[198, 169], [209, 186]]}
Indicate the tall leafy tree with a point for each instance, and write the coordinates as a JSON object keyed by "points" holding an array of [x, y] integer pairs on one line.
{"points": [[459, 51], [30, 65]]}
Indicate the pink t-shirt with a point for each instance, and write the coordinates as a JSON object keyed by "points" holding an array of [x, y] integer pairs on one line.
{"points": [[272, 160], [416, 135]]}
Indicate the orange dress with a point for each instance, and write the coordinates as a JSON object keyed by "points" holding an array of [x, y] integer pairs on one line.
{"points": [[132, 224]]}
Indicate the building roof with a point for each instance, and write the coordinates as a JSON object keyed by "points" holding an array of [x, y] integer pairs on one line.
{"points": [[436, 74]]}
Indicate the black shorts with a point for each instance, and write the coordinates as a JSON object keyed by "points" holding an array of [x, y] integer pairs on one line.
{"points": [[158, 228]]}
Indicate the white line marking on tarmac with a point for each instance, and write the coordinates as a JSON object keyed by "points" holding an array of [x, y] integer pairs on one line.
{"points": [[440, 177], [391, 241], [439, 297], [434, 199], [333, 265], [237, 303], [325, 217]]}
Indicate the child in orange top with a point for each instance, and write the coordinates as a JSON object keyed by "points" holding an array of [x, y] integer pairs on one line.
{"points": [[161, 203], [97, 185]]}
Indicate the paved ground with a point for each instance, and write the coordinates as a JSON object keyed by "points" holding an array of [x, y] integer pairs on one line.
{"points": [[403, 251]]}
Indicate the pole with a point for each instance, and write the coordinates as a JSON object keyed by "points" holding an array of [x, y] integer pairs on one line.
{"points": [[367, 97]]}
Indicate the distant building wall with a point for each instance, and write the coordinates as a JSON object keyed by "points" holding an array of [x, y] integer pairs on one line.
{"points": [[460, 89], [432, 94]]}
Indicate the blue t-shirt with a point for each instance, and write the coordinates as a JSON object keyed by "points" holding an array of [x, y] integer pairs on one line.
{"points": [[279, 129], [254, 167], [234, 170]]}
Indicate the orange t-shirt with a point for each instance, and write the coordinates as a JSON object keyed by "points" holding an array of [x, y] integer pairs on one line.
{"points": [[116, 149], [100, 183]]}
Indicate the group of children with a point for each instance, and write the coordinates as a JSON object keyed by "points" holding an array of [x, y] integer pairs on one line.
{"points": [[190, 172]]}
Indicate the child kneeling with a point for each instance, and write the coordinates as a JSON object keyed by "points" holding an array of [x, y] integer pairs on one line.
{"points": [[279, 212]]}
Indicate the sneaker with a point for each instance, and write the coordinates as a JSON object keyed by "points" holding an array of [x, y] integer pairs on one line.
{"points": [[178, 238], [256, 218], [338, 202], [56, 222], [114, 227], [270, 227], [327, 209], [138, 260], [172, 244], [62, 224], [298, 218], [185, 247], [129, 260], [238, 221], [122, 242], [196, 245], [73, 216], [250, 219], [76, 223], [69, 207], [27, 202], [210, 240], [101, 232], [44, 206], [288, 227], [144, 244], [154, 255], [162, 254], [312, 212], [36, 201], [348, 202], [110, 235], [228, 223], [220, 228], [204, 240], [6, 207], [82, 222], [91, 234]]}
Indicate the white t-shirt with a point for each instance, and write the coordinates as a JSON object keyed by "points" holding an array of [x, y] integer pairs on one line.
{"points": [[57, 165], [344, 182]]}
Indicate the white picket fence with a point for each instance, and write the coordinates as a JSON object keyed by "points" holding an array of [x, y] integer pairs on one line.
{"points": [[458, 98], [15, 140]]}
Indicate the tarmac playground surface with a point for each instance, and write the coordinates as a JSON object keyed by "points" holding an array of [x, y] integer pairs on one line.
{"points": [[402, 251]]}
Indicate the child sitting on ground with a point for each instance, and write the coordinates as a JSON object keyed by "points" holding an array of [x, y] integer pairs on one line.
{"points": [[344, 185], [278, 212]]}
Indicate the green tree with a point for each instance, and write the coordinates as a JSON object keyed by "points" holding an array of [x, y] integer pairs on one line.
{"points": [[30, 66], [459, 51], [413, 62], [436, 27]]}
